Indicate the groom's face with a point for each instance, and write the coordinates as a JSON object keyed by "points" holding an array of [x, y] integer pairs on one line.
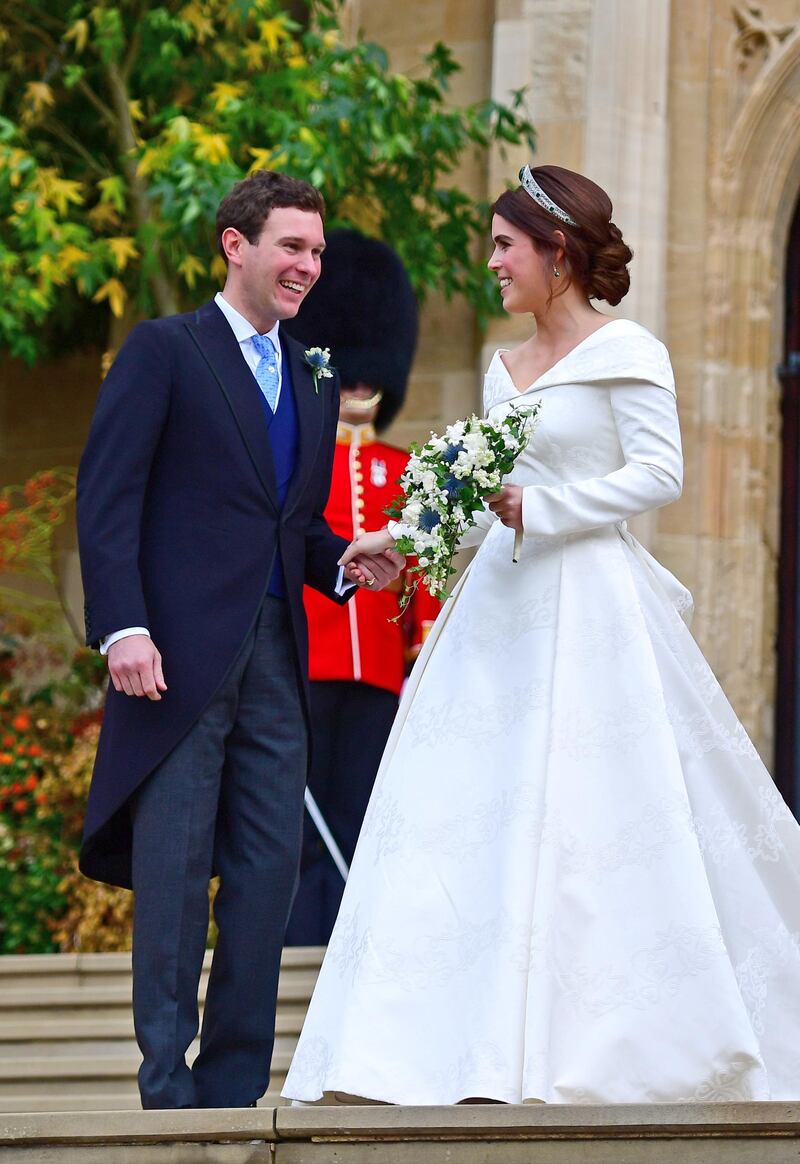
{"points": [[279, 270]]}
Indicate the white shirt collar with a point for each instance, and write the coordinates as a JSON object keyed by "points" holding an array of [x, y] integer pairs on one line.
{"points": [[242, 328]]}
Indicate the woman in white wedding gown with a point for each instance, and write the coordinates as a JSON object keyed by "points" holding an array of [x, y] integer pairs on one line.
{"points": [[576, 881]]}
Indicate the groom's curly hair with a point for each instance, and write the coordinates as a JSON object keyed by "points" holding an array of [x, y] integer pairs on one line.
{"points": [[247, 206]]}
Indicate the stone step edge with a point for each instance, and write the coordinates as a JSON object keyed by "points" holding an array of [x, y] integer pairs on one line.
{"points": [[63, 1067], [97, 965], [36, 1104], [36, 1031], [295, 988], [393, 1123]]}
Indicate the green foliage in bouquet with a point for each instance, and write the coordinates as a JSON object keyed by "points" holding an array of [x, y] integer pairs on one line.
{"points": [[122, 124]]}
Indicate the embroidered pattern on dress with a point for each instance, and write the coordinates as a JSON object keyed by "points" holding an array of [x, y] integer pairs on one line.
{"points": [[652, 974]]}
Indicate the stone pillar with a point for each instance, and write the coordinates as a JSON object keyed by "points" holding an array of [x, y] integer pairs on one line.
{"points": [[626, 138], [597, 72], [445, 383], [541, 45], [626, 151]]}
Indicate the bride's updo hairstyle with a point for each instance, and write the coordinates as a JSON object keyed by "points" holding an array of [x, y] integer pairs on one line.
{"points": [[596, 257]]}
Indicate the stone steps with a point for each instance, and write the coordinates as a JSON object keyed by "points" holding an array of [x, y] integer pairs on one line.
{"points": [[66, 1030], [16, 1033], [722, 1133]]}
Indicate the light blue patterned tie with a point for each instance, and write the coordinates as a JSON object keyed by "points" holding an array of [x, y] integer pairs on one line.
{"points": [[267, 371]]}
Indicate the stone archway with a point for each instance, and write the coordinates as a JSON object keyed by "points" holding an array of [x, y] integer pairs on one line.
{"points": [[754, 187]]}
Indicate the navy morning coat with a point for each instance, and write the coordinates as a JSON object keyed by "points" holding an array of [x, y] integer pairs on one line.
{"points": [[179, 522]]}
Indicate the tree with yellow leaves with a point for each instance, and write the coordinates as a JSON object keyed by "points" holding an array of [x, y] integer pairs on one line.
{"points": [[123, 122]]}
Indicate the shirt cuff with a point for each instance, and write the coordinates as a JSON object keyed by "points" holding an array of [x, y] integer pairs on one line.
{"points": [[109, 640], [343, 587]]}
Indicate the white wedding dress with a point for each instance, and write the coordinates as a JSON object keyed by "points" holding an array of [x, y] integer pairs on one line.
{"points": [[576, 881]]}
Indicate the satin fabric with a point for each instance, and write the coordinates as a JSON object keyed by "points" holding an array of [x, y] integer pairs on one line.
{"points": [[576, 881]]}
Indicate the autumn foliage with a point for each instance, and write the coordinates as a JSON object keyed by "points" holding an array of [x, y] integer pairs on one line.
{"points": [[122, 124], [48, 737], [51, 696]]}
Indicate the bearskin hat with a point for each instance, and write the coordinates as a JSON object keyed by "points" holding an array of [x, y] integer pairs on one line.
{"points": [[364, 309]]}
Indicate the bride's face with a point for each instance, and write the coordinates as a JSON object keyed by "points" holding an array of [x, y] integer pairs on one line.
{"points": [[524, 276]]}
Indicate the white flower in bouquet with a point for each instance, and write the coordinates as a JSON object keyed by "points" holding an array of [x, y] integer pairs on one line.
{"points": [[445, 485]]}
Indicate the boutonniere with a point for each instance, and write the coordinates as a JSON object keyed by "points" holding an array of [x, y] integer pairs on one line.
{"points": [[319, 361]]}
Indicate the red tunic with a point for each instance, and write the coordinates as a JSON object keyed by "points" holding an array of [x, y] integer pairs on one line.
{"points": [[358, 641]]}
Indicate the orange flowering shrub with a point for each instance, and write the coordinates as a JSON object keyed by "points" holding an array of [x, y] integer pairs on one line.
{"points": [[29, 858], [96, 917], [47, 706], [21, 761], [29, 515], [51, 698]]}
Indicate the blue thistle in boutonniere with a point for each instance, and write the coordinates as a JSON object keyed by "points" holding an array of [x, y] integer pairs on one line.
{"points": [[319, 361]]}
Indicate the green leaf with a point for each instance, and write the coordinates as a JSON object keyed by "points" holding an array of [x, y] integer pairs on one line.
{"points": [[73, 74], [384, 147]]}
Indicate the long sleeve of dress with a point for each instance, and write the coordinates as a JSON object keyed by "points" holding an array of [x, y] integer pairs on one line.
{"points": [[646, 420], [484, 520]]}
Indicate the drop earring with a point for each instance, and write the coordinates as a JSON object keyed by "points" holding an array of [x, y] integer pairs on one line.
{"points": [[556, 272]]}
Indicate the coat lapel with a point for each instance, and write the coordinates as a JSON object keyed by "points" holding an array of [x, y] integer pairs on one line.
{"points": [[211, 332], [310, 417]]}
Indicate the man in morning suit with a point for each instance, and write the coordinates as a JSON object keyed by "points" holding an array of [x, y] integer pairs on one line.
{"points": [[200, 516]]}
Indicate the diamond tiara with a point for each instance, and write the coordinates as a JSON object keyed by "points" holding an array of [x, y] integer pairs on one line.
{"points": [[538, 195]]}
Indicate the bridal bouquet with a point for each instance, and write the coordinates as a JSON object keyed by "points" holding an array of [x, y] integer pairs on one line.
{"points": [[446, 483]]}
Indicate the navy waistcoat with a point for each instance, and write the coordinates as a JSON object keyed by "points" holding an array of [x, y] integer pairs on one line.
{"points": [[284, 437]]}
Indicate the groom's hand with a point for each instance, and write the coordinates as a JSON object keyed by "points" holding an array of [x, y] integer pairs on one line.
{"points": [[135, 667]]}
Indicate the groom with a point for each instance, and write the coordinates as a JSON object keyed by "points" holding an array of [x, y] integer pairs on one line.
{"points": [[200, 500]]}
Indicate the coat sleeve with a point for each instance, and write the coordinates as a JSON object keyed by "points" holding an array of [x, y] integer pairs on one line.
{"points": [[646, 419], [323, 546], [112, 481]]}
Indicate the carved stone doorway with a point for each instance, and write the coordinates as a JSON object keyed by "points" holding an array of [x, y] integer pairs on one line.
{"points": [[787, 704]]}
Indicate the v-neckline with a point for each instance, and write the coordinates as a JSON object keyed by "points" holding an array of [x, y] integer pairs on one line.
{"points": [[547, 371]]}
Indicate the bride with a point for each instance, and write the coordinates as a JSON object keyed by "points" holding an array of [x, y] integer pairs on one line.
{"points": [[576, 881]]}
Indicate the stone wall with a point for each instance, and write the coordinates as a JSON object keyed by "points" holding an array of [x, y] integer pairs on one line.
{"points": [[446, 379], [734, 178]]}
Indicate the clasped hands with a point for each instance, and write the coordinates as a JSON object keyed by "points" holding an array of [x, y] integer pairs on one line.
{"points": [[371, 560]]}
